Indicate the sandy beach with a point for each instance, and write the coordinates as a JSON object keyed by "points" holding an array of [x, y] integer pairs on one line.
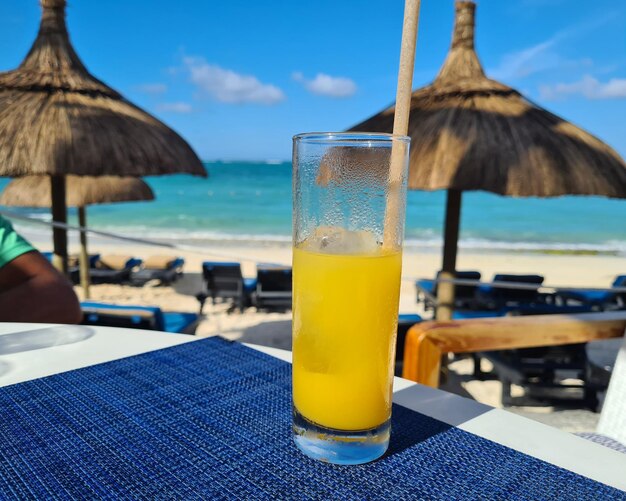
{"points": [[559, 270], [263, 328]]}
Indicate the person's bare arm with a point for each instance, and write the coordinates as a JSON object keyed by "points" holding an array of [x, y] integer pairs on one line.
{"points": [[32, 290]]}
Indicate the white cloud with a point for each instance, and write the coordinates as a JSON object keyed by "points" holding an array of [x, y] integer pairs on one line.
{"points": [[525, 62], [535, 59], [178, 107], [544, 56], [325, 85], [228, 86], [152, 88], [588, 87]]}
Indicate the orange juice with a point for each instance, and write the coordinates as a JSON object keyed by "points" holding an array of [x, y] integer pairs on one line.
{"points": [[345, 314]]}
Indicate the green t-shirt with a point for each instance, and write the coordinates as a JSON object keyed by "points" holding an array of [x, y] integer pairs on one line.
{"points": [[12, 245]]}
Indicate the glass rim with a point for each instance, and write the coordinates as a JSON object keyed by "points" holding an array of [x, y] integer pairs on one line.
{"points": [[322, 137]]}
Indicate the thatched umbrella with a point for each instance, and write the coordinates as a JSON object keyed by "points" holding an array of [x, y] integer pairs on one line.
{"points": [[34, 191], [57, 119], [469, 132]]}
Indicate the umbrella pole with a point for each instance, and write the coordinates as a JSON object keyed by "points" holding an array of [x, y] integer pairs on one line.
{"points": [[59, 215], [84, 256], [445, 290]]}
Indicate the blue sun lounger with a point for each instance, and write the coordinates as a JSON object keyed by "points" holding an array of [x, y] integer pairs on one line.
{"points": [[495, 298], [138, 317], [224, 281], [464, 294], [598, 300], [273, 287], [405, 322], [533, 368], [165, 269], [73, 264], [519, 310], [113, 269]]}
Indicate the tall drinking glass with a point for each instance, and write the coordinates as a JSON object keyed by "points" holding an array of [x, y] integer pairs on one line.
{"points": [[348, 225]]}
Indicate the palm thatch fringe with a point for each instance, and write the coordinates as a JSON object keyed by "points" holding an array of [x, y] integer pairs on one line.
{"points": [[34, 191]]}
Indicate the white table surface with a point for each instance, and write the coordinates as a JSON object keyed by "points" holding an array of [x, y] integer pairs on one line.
{"points": [[31, 351]]}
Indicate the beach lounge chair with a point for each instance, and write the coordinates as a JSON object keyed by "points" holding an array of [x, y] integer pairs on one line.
{"points": [[165, 269], [72, 259], [73, 266], [598, 300], [464, 295], [405, 322], [138, 317], [548, 375], [509, 343], [491, 298], [224, 281], [532, 368], [428, 341], [535, 369], [426, 292], [113, 269], [273, 288]]}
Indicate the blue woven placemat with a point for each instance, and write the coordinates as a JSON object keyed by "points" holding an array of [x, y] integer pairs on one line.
{"points": [[212, 418]]}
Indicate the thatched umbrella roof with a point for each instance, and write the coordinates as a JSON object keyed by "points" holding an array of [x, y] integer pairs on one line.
{"points": [[469, 132], [34, 191], [57, 119]]}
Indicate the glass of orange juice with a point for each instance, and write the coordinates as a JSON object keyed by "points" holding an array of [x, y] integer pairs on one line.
{"points": [[348, 225]]}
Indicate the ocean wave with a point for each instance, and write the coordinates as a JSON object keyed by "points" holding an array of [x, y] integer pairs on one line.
{"points": [[39, 216], [192, 236], [608, 246], [427, 240], [611, 246], [270, 161], [32, 229]]}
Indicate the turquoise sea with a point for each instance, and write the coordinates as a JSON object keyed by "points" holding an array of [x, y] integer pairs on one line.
{"points": [[250, 202]]}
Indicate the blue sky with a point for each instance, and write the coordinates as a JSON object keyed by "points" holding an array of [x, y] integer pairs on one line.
{"points": [[238, 78]]}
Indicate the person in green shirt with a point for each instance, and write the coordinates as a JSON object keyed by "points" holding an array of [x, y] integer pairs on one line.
{"points": [[31, 289]]}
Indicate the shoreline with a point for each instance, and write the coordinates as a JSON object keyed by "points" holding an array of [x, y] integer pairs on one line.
{"points": [[42, 236], [559, 270]]}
